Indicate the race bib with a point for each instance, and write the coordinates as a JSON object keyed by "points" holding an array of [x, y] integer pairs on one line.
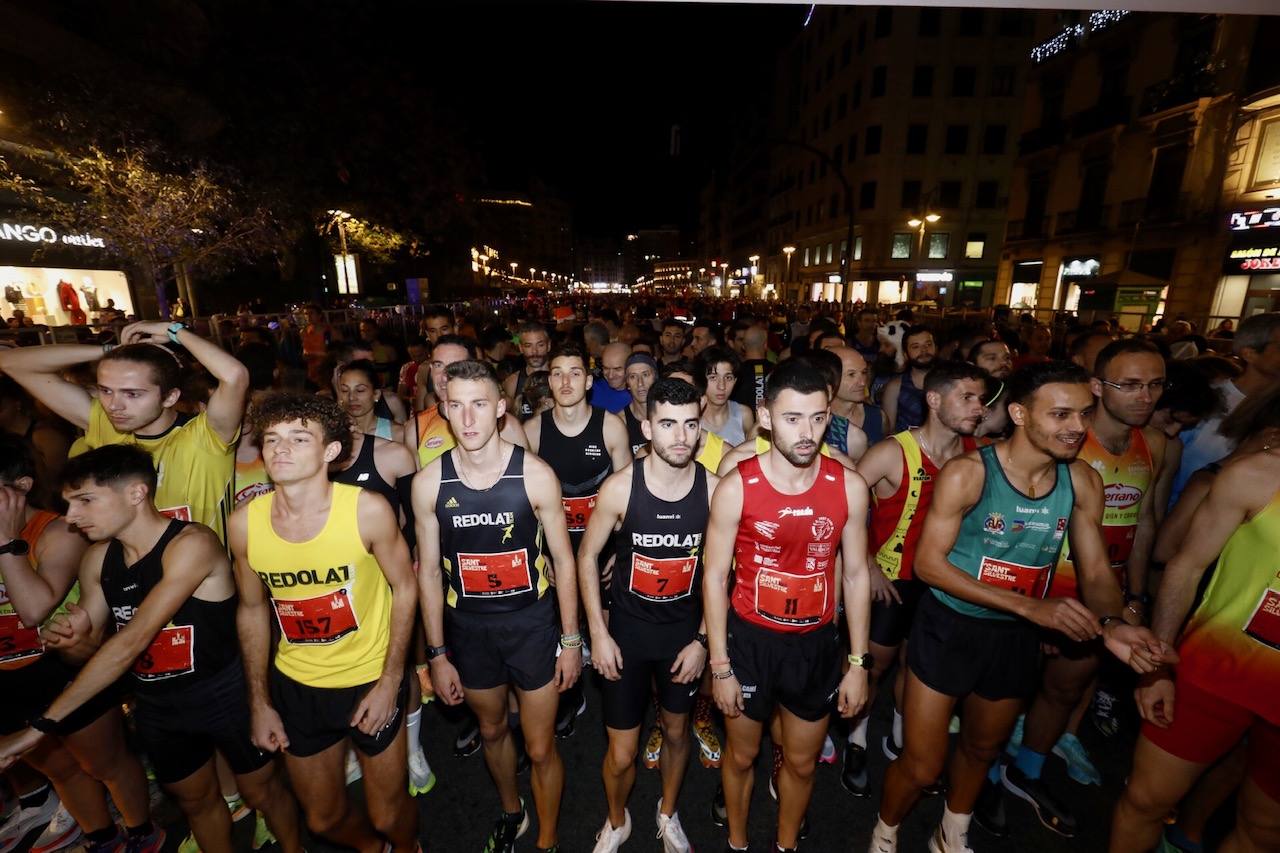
{"points": [[17, 641], [495, 575], [1264, 623], [577, 512], [791, 599], [1119, 541], [171, 653], [661, 579], [181, 513], [324, 619], [1031, 581]]}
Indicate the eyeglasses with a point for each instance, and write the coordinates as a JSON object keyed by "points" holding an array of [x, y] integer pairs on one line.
{"points": [[1135, 387]]}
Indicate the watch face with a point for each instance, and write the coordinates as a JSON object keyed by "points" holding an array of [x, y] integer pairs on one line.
{"points": [[17, 546]]}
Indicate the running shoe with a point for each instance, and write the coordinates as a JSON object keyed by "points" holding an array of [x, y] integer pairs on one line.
{"points": [[1048, 808], [938, 843], [853, 775], [1015, 739], [610, 838], [24, 819], [62, 832], [671, 833], [1079, 767], [828, 754], [353, 766], [954, 726], [506, 829], [114, 845], [989, 812], [719, 815], [421, 779], [653, 747], [566, 721], [262, 835], [1105, 715], [705, 734], [882, 843], [152, 842], [773, 774], [468, 740], [891, 750], [1170, 844]]}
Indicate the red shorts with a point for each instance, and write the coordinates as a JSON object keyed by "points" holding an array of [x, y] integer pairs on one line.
{"points": [[1206, 727]]}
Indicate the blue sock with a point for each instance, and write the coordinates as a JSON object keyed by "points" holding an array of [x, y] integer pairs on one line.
{"points": [[994, 773], [1030, 763]]}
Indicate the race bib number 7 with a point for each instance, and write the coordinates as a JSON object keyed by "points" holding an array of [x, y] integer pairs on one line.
{"points": [[1031, 581], [171, 653], [791, 599], [495, 575], [17, 641], [316, 621], [1264, 624], [661, 579]]}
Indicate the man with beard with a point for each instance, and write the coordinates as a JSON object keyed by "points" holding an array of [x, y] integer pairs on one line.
{"points": [[535, 343], [1129, 456], [654, 634], [642, 372], [612, 394], [901, 473], [672, 340], [782, 520], [992, 536], [849, 407], [996, 360], [903, 398]]}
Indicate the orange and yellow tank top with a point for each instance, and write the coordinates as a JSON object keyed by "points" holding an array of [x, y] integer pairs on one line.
{"points": [[435, 437], [251, 480], [20, 645], [1126, 478], [330, 598]]}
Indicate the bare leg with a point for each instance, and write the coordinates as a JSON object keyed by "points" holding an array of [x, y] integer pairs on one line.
{"points": [[985, 727], [1063, 683], [675, 757], [386, 788], [801, 745], [619, 771], [200, 799], [742, 745], [1257, 823], [926, 718], [84, 796], [320, 784], [1156, 784], [538, 722], [100, 749], [264, 789], [1211, 791], [490, 708]]}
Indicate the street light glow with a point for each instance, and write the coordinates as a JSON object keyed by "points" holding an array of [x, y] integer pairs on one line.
{"points": [[788, 250], [914, 223], [932, 217]]}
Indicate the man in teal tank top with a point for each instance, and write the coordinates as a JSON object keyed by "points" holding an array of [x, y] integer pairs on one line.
{"points": [[999, 516]]}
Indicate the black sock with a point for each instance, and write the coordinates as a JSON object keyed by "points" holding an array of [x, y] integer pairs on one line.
{"points": [[35, 799], [101, 836], [140, 831]]}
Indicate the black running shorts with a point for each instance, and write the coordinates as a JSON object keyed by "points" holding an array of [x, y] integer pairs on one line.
{"points": [[891, 623], [649, 650], [958, 655], [315, 718], [800, 672], [179, 731], [29, 691], [493, 649]]}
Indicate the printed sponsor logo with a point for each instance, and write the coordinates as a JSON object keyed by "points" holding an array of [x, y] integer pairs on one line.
{"points": [[822, 528], [794, 510], [665, 540], [1032, 510], [1122, 496], [819, 549], [433, 442], [484, 519], [768, 549], [452, 503], [994, 522], [767, 529], [306, 577]]}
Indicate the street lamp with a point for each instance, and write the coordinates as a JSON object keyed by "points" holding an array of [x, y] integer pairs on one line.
{"points": [[788, 251], [514, 266]]}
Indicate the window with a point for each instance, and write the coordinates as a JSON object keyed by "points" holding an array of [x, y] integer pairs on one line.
{"points": [[842, 106], [874, 135], [993, 138], [939, 245], [884, 21], [949, 194], [834, 204], [901, 246], [857, 94], [806, 257], [829, 248], [1002, 77], [853, 147], [930, 21], [957, 139], [867, 196], [846, 53], [910, 195], [917, 138], [976, 246], [964, 81], [987, 195], [879, 81], [922, 81], [857, 248], [971, 22]]}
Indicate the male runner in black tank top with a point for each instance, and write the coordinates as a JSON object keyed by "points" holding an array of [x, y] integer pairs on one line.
{"points": [[482, 512], [167, 588], [535, 343], [658, 508], [642, 372]]}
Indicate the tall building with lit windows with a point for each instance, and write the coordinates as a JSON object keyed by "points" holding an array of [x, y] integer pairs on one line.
{"points": [[903, 121]]}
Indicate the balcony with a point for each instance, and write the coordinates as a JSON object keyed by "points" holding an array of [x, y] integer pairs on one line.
{"points": [[1166, 208], [1082, 220], [1041, 138], [1184, 88], [1027, 229], [1107, 113]]}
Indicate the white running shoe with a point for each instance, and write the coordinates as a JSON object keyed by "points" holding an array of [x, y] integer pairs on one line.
{"points": [[24, 820], [828, 755], [421, 779], [353, 766], [672, 833], [62, 832], [938, 843], [609, 839], [883, 842]]}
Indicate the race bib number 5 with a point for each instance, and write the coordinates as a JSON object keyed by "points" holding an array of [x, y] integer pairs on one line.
{"points": [[577, 512], [495, 575], [1031, 581], [1264, 624], [171, 653], [791, 599], [661, 579], [17, 641], [324, 619]]}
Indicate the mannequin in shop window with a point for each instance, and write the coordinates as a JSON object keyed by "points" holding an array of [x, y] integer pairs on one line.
{"points": [[70, 301]]}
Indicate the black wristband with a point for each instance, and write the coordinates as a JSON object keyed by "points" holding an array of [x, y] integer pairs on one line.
{"points": [[44, 725], [702, 640]]}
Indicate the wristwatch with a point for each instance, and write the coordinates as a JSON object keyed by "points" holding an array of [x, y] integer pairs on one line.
{"points": [[702, 640], [864, 661], [1107, 620], [20, 547], [173, 330], [434, 652], [45, 725]]}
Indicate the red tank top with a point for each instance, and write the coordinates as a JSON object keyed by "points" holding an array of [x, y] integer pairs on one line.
{"points": [[785, 553]]}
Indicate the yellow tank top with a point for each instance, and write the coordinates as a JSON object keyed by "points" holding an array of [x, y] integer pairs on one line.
{"points": [[251, 480], [435, 438], [331, 600], [712, 452], [194, 466]]}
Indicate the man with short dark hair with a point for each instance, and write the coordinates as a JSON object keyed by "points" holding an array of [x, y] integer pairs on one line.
{"points": [[641, 373], [535, 343], [903, 397], [437, 321], [672, 340]]}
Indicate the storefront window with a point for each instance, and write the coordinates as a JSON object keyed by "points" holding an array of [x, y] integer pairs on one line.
{"points": [[1023, 295], [60, 297], [857, 248], [858, 292], [892, 291]]}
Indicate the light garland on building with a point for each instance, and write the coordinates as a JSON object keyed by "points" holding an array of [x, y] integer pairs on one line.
{"points": [[1099, 20]]}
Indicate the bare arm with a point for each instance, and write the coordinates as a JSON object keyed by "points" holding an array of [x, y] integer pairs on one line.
{"points": [[722, 529], [253, 613], [855, 587], [1144, 536], [77, 635], [889, 400], [426, 486], [37, 592], [616, 441], [38, 370], [545, 497], [380, 530], [611, 506], [532, 430], [1177, 524], [1098, 584], [513, 432]]}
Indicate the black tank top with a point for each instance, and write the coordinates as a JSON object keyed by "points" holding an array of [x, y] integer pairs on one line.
{"points": [[657, 576], [581, 463], [525, 411], [634, 435], [200, 640], [491, 543], [364, 474]]}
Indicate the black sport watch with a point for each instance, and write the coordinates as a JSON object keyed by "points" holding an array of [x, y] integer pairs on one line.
{"points": [[20, 547], [434, 652]]}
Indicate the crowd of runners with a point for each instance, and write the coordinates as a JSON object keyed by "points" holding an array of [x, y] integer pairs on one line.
{"points": [[241, 571]]}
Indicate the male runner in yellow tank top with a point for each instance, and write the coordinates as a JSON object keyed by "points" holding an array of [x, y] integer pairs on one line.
{"points": [[329, 560]]}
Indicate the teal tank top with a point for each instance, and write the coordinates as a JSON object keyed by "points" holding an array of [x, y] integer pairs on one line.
{"points": [[1008, 539]]}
